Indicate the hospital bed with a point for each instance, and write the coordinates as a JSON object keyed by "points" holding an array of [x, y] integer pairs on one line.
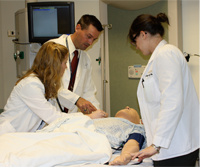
{"points": [[74, 144], [145, 163]]}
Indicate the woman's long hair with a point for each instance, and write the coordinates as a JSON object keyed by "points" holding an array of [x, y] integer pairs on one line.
{"points": [[47, 67]]}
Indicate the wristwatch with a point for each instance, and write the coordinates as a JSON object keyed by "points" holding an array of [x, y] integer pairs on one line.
{"points": [[156, 147]]}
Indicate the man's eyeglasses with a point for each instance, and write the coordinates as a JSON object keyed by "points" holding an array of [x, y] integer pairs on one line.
{"points": [[133, 42]]}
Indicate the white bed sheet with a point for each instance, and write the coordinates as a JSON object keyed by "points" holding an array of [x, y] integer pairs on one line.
{"points": [[74, 144], [71, 144], [146, 163]]}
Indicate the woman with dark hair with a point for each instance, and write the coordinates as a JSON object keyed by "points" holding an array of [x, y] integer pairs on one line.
{"points": [[167, 97], [31, 103]]}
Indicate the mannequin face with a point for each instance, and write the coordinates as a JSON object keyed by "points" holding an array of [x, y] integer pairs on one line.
{"points": [[129, 114], [82, 39]]}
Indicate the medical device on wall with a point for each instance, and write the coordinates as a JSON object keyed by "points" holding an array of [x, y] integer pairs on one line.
{"points": [[135, 71], [30, 36], [21, 43], [187, 56]]}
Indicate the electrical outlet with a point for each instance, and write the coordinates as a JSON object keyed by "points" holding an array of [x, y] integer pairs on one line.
{"points": [[11, 33]]}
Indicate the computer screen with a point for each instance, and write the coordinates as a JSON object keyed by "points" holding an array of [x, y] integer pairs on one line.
{"points": [[48, 20]]}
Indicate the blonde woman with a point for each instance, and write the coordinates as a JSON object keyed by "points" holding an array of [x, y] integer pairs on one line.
{"points": [[29, 105]]}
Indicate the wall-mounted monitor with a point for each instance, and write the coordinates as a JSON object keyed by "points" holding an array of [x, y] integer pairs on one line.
{"points": [[48, 20]]}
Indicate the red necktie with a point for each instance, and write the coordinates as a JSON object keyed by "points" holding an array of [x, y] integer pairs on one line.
{"points": [[74, 65]]}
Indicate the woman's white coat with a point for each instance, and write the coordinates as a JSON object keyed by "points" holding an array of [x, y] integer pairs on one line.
{"points": [[168, 103]]}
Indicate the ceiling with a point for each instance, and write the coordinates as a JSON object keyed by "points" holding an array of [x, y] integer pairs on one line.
{"points": [[130, 4]]}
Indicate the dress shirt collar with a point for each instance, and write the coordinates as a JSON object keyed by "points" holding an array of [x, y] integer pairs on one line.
{"points": [[71, 48]]}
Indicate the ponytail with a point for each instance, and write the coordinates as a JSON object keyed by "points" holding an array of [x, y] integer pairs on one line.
{"points": [[161, 17], [148, 23]]}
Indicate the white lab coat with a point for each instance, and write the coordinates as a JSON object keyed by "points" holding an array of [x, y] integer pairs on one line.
{"points": [[168, 103], [83, 86], [27, 107]]}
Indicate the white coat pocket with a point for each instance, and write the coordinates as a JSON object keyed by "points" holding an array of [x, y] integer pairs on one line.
{"points": [[151, 91]]}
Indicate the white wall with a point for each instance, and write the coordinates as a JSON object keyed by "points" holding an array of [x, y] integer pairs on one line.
{"points": [[191, 20], [7, 63], [1, 66], [175, 20], [191, 36]]}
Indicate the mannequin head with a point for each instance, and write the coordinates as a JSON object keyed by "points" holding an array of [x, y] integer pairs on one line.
{"points": [[129, 114]]}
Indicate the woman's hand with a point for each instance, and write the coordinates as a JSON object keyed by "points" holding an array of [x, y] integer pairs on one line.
{"points": [[146, 153], [98, 114], [121, 160]]}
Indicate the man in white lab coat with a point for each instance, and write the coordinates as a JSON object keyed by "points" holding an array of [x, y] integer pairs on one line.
{"points": [[82, 94]]}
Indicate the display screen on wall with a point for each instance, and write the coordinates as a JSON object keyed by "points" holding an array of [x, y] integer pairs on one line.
{"points": [[47, 20]]}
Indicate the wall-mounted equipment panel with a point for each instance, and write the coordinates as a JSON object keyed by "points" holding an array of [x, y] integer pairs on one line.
{"points": [[135, 71]]}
